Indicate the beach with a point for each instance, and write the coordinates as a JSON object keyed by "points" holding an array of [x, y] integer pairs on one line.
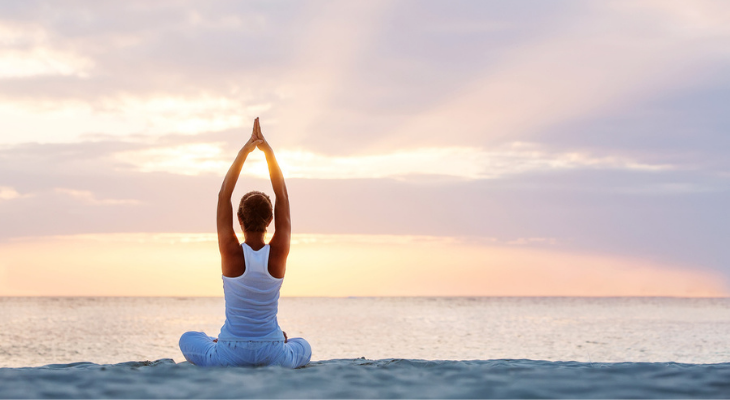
{"points": [[360, 378]]}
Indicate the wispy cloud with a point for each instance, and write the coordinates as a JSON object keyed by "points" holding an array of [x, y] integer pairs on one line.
{"points": [[90, 198], [188, 115], [9, 193], [124, 115], [458, 162], [25, 52], [301, 238], [42, 62]]}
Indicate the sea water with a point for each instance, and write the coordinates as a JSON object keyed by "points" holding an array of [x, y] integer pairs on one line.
{"points": [[102, 330]]}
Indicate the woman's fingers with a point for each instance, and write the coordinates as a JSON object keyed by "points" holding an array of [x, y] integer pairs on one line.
{"points": [[257, 135], [253, 142], [258, 130], [255, 124]]}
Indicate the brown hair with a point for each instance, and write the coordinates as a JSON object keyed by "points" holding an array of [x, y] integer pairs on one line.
{"points": [[255, 211]]}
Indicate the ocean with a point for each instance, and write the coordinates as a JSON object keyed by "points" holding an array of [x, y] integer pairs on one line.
{"points": [[40, 331], [478, 339]]}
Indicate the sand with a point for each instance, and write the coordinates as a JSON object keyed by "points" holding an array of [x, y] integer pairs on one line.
{"points": [[361, 378]]}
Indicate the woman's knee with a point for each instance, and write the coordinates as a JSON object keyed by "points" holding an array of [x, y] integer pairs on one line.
{"points": [[196, 347], [301, 352], [189, 337]]}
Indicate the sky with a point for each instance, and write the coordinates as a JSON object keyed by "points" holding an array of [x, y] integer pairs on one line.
{"points": [[431, 148]]}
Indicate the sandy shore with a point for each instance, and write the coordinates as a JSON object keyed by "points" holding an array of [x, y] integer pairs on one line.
{"points": [[360, 378]]}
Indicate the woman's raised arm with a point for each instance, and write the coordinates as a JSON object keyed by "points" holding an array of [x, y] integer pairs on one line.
{"points": [[281, 241], [232, 262]]}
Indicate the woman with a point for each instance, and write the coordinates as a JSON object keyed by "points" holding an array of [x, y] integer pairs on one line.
{"points": [[252, 276]]}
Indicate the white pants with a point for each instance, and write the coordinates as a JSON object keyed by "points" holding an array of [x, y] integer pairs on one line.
{"points": [[201, 350]]}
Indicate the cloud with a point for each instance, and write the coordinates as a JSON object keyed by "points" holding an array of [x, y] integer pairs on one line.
{"points": [[368, 77], [101, 69], [702, 18], [327, 239], [300, 239], [525, 241], [572, 73], [25, 52], [458, 162], [607, 208], [9, 193], [187, 115], [88, 197], [42, 62], [124, 115]]}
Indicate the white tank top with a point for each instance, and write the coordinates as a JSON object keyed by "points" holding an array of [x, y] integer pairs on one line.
{"points": [[252, 300]]}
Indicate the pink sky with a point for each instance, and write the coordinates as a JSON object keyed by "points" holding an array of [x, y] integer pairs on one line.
{"points": [[430, 148]]}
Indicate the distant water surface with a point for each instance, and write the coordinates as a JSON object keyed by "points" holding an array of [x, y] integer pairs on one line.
{"points": [[41, 331]]}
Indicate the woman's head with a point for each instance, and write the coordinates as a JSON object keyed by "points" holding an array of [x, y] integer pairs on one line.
{"points": [[255, 211]]}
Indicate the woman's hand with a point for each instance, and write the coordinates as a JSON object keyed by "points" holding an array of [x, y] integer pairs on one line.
{"points": [[263, 145], [254, 141]]}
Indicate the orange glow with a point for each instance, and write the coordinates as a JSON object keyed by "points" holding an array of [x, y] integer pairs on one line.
{"points": [[336, 265]]}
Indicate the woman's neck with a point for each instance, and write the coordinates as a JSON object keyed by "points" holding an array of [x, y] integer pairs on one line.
{"points": [[254, 240]]}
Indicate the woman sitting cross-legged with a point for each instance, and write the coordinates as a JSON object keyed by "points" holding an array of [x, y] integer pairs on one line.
{"points": [[253, 272]]}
